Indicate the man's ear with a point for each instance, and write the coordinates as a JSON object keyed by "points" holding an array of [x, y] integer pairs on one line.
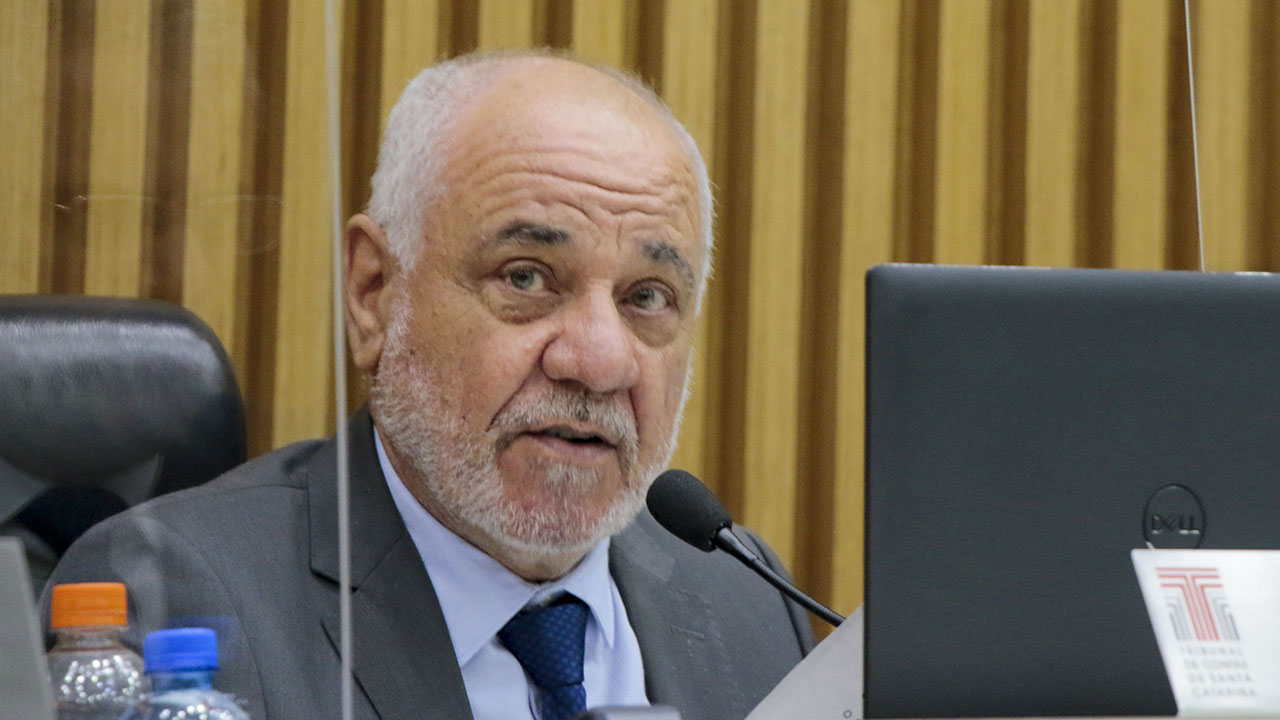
{"points": [[368, 271]]}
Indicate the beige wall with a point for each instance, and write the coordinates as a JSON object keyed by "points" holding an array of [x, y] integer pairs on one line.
{"points": [[177, 149]]}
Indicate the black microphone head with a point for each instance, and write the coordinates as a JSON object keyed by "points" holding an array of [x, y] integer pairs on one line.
{"points": [[687, 509]]}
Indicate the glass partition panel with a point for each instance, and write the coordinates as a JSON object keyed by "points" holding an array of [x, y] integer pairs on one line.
{"points": [[166, 316]]}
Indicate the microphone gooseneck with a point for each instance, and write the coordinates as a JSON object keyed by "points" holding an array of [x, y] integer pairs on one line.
{"points": [[687, 509]]}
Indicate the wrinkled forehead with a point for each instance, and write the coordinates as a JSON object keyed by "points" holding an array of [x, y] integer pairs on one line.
{"points": [[561, 119]]}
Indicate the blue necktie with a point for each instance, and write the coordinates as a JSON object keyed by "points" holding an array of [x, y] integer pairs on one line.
{"points": [[548, 641]]}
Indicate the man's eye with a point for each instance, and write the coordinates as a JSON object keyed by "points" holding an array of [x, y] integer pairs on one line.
{"points": [[649, 298], [526, 279]]}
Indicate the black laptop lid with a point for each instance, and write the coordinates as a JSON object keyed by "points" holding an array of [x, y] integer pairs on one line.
{"points": [[1019, 424]]}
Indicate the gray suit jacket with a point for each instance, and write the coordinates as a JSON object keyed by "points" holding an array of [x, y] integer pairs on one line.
{"points": [[254, 554]]}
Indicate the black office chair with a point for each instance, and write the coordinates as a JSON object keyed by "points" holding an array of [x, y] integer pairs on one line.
{"points": [[105, 402]]}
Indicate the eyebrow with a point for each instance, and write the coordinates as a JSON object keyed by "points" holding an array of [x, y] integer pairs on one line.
{"points": [[666, 254], [534, 234]]}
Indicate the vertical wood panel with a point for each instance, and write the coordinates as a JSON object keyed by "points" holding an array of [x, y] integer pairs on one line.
{"points": [[689, 83], [1006, 194], [916, 142], [604, 31], [1182, 246], [410, 41], [1141, 142], [817, 374], [266, 49], [727, 333], [1264, 183], [214, 283], [1221, 36], [962, 131], [117, 148], [1095, 186], [168, 129], [1053, 131], [871, 107], [24, 34], [509, 24], [303, 406], [773, 308], [68, 156]]}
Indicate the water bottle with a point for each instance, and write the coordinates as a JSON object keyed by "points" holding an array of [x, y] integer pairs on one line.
{"points": [[94, 676], [180, 664]]}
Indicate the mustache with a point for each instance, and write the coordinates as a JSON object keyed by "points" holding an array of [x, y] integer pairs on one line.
{"points": [[552, 404]]}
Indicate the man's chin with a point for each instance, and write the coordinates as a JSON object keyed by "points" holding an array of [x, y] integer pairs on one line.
{"points": [[558, 527]]}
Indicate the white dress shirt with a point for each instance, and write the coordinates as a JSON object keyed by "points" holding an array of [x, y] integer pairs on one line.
{"points": [[478, 596]]}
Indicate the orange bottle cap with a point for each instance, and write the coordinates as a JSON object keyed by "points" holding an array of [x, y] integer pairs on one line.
{"points": [[80, 604]]}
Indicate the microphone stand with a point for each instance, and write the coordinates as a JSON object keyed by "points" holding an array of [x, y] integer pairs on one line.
{"points": [[728, 542]]}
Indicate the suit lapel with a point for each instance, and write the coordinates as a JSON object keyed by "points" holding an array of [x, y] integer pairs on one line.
{"points": [[402, 659], [674, 625]]}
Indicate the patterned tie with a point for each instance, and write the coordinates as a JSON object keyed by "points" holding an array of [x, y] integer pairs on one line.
{"points": [[548, 642]]}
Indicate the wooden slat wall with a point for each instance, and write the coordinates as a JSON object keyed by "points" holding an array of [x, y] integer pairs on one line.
{"points": [[304, 365], [510, 24], [1223, 104], [25, 200], [215, 280], [871, 57], [962, 127], [1141, 129], [774, 247], [411, 31], [1053, 131], [604, 31], [690, 31], [839, 134], [117, 148]]}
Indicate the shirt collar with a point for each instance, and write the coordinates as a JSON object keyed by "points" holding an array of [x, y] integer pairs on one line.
{"points": [[477, 594]]}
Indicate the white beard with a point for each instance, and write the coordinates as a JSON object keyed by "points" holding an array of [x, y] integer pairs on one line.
{"points": [[459, 471]]}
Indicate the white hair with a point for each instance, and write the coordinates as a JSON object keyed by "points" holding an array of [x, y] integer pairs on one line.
{"points": [[408, 176]]}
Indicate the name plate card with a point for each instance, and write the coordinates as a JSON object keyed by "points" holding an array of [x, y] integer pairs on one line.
{"points": [[1216, 615], [826, 685]]}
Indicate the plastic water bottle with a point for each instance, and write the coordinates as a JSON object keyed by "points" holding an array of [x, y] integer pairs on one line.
{"points": [[180, 664], [94, 676]]}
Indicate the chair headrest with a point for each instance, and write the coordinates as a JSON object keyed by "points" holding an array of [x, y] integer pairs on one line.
{"points": [[92, 387]]}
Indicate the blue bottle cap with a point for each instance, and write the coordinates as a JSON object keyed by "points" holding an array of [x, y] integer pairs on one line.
{"points": [[181, 649]]}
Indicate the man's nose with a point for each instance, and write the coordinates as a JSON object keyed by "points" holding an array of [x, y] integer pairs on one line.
{"points": [[594, 346]]}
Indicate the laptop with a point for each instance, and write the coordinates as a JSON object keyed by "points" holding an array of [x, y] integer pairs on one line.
{"points": [[1026, 428]]}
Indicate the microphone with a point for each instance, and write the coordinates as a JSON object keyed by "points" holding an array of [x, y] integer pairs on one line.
{"points": [[687, 509]]}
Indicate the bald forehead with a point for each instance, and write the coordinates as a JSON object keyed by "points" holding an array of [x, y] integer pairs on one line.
{"points": [[539, 75], [512, 94], [539, 104], [561, 91]]}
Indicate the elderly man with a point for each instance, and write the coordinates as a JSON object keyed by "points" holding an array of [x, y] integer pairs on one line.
{"points": [[522, 295]]}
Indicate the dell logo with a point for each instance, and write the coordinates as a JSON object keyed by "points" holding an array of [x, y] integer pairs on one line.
{"points": [[1173, 518], [1180, 524]]}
